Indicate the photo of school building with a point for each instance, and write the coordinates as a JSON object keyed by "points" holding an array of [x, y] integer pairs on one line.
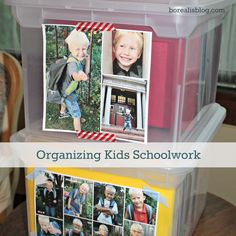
{"points": [[118, 94]]}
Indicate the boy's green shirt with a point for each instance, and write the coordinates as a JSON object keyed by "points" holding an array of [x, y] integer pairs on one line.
{"points": [[74, 84]]}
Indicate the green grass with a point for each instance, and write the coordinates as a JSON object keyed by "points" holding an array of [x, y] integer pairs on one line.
{"points": [[89, 113]]}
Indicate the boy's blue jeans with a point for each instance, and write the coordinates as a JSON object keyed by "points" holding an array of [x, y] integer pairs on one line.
{"points": [[71, 211], [128, 125], [72, 105], [50, 211]]}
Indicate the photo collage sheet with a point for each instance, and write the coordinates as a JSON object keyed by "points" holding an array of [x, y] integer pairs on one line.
{"points": [[97, 81], [67, 205]]}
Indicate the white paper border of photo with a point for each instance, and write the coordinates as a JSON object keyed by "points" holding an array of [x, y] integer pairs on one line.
{"points": [[45, 80], [147, 55], [35, 206]]}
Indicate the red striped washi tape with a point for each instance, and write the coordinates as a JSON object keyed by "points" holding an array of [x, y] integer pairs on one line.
{"points": [[96, 136], [95, 26]]}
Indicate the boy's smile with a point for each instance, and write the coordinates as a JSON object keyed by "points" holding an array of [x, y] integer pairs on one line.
{"points": [[49, 186], [82, 189], [79, 51], [77, 228], [127, 51], [135, 232], [138, 200], [109, 195], [103, 232], [44, 226]]}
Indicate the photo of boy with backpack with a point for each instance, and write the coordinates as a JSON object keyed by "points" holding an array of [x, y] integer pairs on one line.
{"points": [[76, 230], [78, 197], [71, 79], [136, 209], [48, 194], [76, 200], [49, 198], [78, 64], [132, 228], [100, 229], [107, 209], [74, 226]]}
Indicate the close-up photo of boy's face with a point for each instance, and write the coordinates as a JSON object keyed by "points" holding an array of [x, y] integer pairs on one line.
{"points": [[78, 44], [79, 51], [136, 230], [49, 185], [77, 227], [44, 223], [109, 194], [83, 189], [128, 49], [137, 199], [44, 226], [103, 230]]}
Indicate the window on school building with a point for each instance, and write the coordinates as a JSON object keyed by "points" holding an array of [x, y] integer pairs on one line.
{"points": [[121, 99], [131, 101], [113, 98]]}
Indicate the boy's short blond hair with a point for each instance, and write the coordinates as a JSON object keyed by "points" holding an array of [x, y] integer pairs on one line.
{"points": [[137, 227], [135, 191], [137, 35], [43, 219], [86, 186], [78, 222], [77, 38], [111, 188]]}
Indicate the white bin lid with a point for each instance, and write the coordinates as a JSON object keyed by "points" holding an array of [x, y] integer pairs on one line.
{"points": [[154, 6], [208, 122], [168, 18]]}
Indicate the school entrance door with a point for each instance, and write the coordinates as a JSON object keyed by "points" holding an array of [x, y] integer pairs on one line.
{"points": [[120, 101]]}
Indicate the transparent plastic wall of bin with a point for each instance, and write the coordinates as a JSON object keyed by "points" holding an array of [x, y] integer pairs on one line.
{"points": [[183, 82], [185, 57], [185, 189], [179, 208]]}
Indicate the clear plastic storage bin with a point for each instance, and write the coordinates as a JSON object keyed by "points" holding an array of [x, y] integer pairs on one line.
{"points": [[179, 207], [182, 191], [185, 56]]}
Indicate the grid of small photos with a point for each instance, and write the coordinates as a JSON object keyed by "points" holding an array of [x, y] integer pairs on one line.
{"points": [[67, 205]]}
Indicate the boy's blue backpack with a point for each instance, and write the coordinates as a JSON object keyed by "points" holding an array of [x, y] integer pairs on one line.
{"points": [[76, 191], [112, 203], [57, 74], [73, 204], [130, 211]]}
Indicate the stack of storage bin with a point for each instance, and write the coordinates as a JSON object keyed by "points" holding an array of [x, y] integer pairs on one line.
{"points": [[185, 57]]}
